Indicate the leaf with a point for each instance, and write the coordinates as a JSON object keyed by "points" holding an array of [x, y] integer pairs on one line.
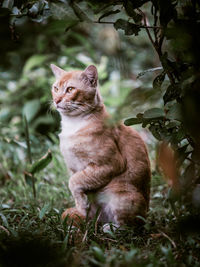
{"points": [[132, 121], [44, 210], [39, 11], [3, 218], [111, 12], [149, 70], [99, 254], [8, 4], [34, 9], [41, 163], [62, 11], [15, 11], [79, 13], [31, 108], [4, 206], [30, 180], [33, 62], [155, 131], [167, 11], [172, 93], [154, 113], [128, 27], [158, 81], [174, 112], [131, 12]]}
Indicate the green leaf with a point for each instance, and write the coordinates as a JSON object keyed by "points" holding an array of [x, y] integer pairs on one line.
{"points": [[167, 11], [79, 13], [158, 81], [31, 108], [98, 253], [3, 218], [131, 12], [174, 112], [155, 131], [30, 180], [132, 121], [41, 163], [111, 12], [44, 210], [33, 62], [128, 27], [173, 92], [149, 70], [154, 113]]}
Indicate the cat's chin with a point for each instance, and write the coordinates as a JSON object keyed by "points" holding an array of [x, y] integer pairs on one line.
{"points": [[69, 113]]}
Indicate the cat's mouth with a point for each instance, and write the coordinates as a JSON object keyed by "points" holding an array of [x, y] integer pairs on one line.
{"points": [[65, 109], [60, 107]]}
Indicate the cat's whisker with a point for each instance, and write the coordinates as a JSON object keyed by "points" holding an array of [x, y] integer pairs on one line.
{"points": [[51, 107]]}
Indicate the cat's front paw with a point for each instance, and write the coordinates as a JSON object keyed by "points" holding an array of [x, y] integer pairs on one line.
{"points": [[82, 205], [81, 199]]}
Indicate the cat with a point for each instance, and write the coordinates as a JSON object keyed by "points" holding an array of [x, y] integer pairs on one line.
{"points": [[109, 163]]}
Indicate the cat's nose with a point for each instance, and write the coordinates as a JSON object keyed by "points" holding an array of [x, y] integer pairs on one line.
{"points": [[58, 100]]}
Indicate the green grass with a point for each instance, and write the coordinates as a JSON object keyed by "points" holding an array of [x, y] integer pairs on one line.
{"points": [[32, 233]]}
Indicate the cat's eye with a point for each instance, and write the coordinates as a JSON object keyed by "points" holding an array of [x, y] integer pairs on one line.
{"points": [[56, 89], [69, 89]]}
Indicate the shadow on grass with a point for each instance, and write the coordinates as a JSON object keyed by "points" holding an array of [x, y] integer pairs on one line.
{"points": [[28, 249]]}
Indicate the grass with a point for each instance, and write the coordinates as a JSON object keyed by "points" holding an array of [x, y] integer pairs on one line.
{"points": [[32, 233]]}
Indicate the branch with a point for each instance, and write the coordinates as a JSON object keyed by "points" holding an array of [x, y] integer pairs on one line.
{"points": [[147, 29], [139, 26], [155, 45]]}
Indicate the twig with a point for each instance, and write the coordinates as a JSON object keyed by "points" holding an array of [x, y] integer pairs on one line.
{"points": [[139, 26], [156, 45], [165, 235], [147, 28], [85, 236], [96, 223], [109, 239]]}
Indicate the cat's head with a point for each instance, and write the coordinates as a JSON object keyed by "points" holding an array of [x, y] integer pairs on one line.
{"points": [[75, 92]]}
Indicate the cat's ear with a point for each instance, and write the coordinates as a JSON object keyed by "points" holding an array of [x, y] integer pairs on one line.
{"points": [[92, 75], [58, 72]]}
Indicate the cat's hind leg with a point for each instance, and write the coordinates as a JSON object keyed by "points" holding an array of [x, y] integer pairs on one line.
{"points": [[125, 207]]}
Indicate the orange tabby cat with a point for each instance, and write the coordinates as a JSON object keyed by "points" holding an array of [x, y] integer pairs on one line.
{"points": [[110, 162]]}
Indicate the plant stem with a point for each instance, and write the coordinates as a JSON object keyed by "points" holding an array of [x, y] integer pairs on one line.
{"points": [[29, 152], [27, 140]]}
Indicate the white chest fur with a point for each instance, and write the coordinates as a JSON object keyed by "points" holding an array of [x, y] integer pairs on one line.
{"points": [[70, 126]]}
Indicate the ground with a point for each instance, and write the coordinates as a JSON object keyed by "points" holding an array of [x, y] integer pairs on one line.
{"points": [[33, 234]]}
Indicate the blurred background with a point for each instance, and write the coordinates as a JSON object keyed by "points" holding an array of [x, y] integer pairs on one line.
{"points": [[28, 49]]}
